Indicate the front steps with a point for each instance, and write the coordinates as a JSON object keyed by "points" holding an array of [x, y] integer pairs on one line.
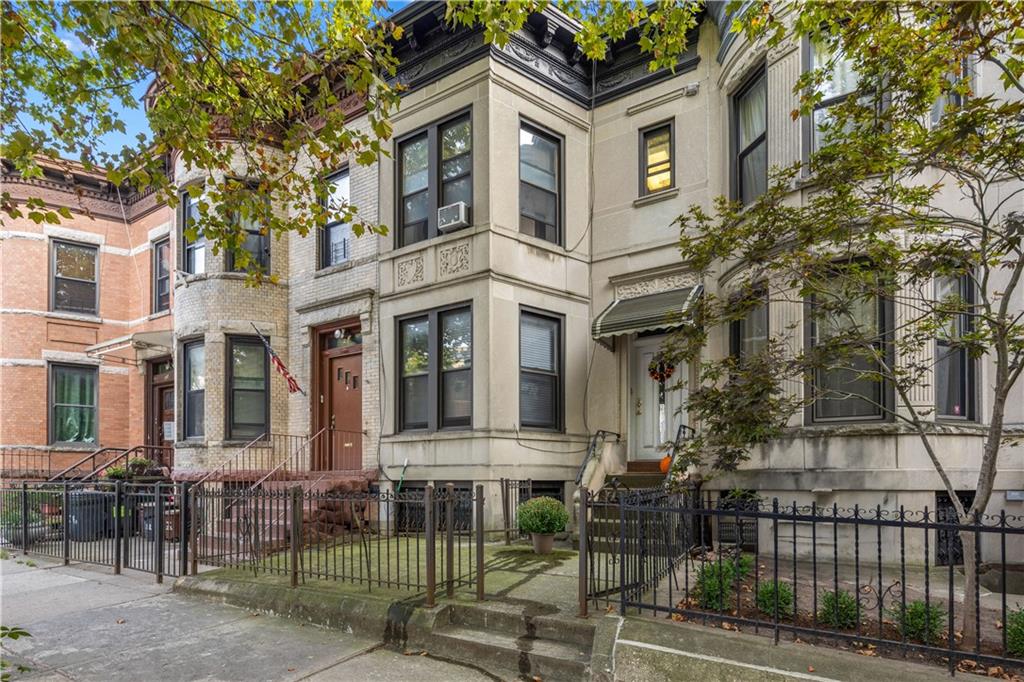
{"points": [[516, 642]]}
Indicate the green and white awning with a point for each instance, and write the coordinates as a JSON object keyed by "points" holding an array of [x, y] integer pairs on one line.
{"points": [[663, 310]]}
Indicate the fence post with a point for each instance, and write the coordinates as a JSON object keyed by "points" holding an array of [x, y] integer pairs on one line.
{"points": [[296, 532], [118, 515], [449, 521], [506, 511], [65, 518], [24, 517], [158, 533], [192, 530], [479, 542], [183, 525], [430, 527], [582, 525], [622, 554]]}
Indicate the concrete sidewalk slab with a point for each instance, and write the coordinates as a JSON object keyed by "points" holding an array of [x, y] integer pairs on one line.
{"points": [[646, 650]]}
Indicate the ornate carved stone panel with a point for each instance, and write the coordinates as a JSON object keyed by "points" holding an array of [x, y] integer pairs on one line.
{"points": [[454, 260], [409, 271], [655, 285]]}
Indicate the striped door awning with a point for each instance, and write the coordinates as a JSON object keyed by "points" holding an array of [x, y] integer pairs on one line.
{"points": [[664, 310]]}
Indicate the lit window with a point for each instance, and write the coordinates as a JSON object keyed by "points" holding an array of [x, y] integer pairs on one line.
{"points": [[657, 159]]}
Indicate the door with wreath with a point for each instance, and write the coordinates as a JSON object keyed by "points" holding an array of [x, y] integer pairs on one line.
{"points": [[655, 399]]}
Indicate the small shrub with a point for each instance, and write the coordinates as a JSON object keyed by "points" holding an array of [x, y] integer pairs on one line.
{"points": [[542, 515], [838, 609], [715, 584], [766, 595], [1015, 632], [920, 621], [139, 465], [744, 565], [115, 473]]}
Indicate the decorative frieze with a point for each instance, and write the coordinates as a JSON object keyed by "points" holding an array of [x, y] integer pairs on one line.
{"points": [[409, 271], [453, 260], [655, 285]]}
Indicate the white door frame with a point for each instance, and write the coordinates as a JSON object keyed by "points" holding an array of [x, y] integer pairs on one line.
{"points": [[644, 424]]}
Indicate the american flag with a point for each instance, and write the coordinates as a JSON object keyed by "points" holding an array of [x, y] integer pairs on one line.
{"points": [[293, 385]]}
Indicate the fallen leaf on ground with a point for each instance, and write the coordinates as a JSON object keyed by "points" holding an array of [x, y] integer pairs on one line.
{"points": [[867, 652], [119, 621]]}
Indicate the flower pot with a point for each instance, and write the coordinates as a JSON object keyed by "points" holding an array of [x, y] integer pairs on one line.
{"points": [[542, 542]]}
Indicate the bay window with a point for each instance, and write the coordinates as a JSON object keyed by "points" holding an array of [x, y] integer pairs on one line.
{"points": [[194, 403], [539, 183], [336, 241], [193, 260], [840, 83], [750, 135], [954, 368], [436, 369], [247, 398], [161, 275], [748, 336]]}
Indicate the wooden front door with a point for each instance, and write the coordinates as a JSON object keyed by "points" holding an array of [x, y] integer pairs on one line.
{"points": [[341, 407], [160, 425]]}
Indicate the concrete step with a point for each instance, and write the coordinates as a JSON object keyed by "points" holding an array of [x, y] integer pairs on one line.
{"points": [[530, 657], [519, 621]]}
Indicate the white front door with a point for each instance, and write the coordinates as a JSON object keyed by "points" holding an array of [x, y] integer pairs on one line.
{"points": [[655, 413]]}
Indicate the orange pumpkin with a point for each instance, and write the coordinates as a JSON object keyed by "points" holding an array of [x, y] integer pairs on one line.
{"points": [[665, 463]]}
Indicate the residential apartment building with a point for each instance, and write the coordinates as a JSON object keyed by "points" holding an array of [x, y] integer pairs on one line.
{"points": [[522, 292]]}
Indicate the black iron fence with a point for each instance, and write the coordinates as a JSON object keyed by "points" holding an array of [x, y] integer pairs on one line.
{"points": [[865, 576], [423, 539], [121, 525]]}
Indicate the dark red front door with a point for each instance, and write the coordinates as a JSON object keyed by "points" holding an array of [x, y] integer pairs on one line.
{"points": [[342, 388]]}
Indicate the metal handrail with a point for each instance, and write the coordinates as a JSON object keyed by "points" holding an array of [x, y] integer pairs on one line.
{"points": [[285, 461], [684, 432], [91, 457], [225, 464], [125, 456], [599, 435]]}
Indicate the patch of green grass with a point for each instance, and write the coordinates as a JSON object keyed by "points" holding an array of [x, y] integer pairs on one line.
{"points": [[4, 554], [31, 564]]}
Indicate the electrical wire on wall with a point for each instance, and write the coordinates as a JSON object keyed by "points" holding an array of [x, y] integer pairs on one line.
{"points": [[128, 236]]}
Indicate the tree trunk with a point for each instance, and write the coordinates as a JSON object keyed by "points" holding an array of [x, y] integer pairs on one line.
{"points": [[969, 611]]}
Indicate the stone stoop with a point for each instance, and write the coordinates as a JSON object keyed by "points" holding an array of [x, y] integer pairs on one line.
{"points": [[514, 642]]}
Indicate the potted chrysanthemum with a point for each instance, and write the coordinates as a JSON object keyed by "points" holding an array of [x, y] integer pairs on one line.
{"points": [[542, 517]]}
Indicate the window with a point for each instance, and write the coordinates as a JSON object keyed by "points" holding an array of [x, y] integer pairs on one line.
{"points": [[436, 369], [748, 335], [540, 359], [193, 259], [854, 391], [435, 169], [750, 126], [195, 388], [954, 99], [161, 275], [336, 242], [539, 183], [840, 84], [256, 244], [656, 146], [74, 278], [247, 388], [954, 369], [73, 402]]}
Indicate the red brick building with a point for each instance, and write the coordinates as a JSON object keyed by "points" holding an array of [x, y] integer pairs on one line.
{"points": [[85, 321]]}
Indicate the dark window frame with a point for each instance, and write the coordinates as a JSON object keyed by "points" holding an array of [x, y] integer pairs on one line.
{"points": [[969, 388], [54, 276], [737, 327], [886, 317], [559, 422], [263, 259], [435, 385], [559, 140], [164, 242], [324, 260], [230, 426], [433, 190], [809, 132], [189, 248], [737, 155], [51, 403], [644, 167], [186, 366]]}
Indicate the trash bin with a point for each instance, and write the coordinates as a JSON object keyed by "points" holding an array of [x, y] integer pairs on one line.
{"points": [[171, 527], [88, 515]]}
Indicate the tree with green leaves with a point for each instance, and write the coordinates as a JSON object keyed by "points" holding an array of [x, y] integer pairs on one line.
{"points": [[896, 245], [257, 90]]}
